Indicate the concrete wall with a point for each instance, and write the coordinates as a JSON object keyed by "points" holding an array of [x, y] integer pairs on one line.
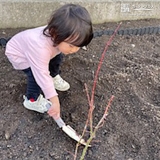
{"points": [[31, 13]]}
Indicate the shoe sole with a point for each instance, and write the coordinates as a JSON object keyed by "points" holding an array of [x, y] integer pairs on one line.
{"points": [[32, 109], [64, 89]]}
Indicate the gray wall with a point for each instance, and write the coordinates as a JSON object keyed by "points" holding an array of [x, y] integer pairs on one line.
{"points": [[31, 13]]}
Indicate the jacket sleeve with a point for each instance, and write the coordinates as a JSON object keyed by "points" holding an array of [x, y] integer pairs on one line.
{"points": [[39, 63]]}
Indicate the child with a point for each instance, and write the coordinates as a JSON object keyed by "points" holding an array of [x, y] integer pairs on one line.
{"points": [[38, 53]]}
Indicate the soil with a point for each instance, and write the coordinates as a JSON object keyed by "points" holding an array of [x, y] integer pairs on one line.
{"points": [[131, 131]]}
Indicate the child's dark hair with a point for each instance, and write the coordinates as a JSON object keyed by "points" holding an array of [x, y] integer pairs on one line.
{"points": [[70, 23]]}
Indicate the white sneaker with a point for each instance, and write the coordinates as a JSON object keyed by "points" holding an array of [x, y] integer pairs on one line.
{"points": [[40, 105], [60, 84]]}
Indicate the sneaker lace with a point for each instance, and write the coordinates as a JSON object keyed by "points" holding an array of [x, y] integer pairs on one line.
{"points": [[60, 81], [42, 102]]}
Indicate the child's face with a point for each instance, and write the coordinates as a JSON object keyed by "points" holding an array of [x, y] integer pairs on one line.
{"points": [[67, 48]]}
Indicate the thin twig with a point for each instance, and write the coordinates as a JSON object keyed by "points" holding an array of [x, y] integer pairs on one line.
{"points": [[100, 63], [105, 113], [96, 77]]}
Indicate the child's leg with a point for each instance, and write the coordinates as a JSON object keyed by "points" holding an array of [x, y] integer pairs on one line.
{"points": [[33, 99], [54, 65], [54, 68], [33, 90]]}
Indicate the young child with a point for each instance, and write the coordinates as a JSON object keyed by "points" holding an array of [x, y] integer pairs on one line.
{"points": [[38, 53]]}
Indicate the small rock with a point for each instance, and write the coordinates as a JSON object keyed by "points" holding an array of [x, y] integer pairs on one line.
{"points": [[3, 32], [30, 147], [84, 48], [9, 146], [52, 154], [133, 45], [128, 80], [56, 157], [7, 135], [37, 148], [104, 132], [25, 154], [74, 116], [29, 137], [133, 146]]}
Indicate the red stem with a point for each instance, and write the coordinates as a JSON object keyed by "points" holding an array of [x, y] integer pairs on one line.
{"points": [[100, 64]]}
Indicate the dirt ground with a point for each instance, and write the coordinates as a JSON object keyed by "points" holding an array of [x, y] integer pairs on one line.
{"points": [[130, 72]]}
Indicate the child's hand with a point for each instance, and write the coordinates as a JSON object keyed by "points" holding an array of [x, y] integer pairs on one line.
{"points": [[54, 110]]}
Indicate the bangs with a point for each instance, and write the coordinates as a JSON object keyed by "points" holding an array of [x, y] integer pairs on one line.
{"points": [[80, 38]]}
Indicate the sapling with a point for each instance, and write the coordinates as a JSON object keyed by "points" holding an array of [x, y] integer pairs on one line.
{"points": [[91, 103]]}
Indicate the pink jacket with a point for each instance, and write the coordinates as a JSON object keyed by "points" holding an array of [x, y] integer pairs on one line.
{"points": [[31, 48]]}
